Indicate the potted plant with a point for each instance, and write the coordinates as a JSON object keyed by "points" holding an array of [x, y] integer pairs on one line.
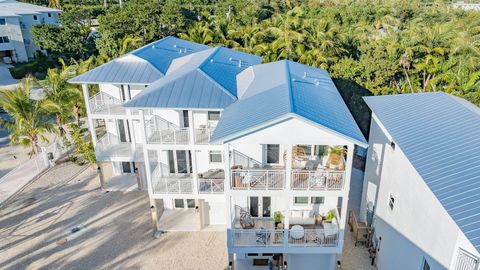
{"points": [[335, 156], [278, 217], [330, 216]]}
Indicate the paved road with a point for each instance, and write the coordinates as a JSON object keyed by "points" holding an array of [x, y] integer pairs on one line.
{"points": [[6, 79]]}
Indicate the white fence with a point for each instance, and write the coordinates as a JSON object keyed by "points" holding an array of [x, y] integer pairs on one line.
{"points": [[208, 186], [258, 179], [466, 261], [317, 180], [17, 178]]}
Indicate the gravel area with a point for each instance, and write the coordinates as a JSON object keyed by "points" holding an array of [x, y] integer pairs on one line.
{"points": [[117, 230]]}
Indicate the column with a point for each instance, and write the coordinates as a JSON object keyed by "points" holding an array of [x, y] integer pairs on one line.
{"points": [[194, 171], [133, 140], [288, 167], [191, 128], [345, 190], [226, 184], [143, 138], [91, 126]]}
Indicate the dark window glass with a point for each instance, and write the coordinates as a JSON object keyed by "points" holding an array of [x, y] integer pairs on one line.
{"points": [[35, 17], [185, 119], [213, 116], [126, 167], [171, 163], [273, 153], [317, 200], [179, 203], [301, 200], [190, 203], [49, 14], [3, 21]]}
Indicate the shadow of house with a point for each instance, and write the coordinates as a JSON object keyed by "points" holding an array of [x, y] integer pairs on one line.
{"points": [[352, 94]]}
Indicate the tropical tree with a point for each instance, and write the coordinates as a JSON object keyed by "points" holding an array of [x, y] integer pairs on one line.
{"points": [[30, 120]]}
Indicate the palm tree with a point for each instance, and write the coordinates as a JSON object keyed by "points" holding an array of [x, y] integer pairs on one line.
{"points": [[199, 33], [30, 119], [61, 97], [286, 30]]}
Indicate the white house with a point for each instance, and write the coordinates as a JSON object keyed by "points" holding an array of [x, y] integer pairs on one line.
{"points": [[422, 181], [225, 143], [16, 22]]}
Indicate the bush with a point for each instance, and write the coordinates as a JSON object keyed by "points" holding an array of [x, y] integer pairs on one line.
{"points": [[37, 67]]}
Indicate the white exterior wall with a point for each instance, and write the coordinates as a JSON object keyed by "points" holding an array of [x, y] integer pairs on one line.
{"points": [[29, 22], [418, 227], [311, 261], [14, 33]]}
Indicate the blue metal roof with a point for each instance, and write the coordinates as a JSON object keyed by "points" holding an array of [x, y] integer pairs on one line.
{"points": [[161, 52], [207, 80], [142, 66], [440, 135], [285, 87]]}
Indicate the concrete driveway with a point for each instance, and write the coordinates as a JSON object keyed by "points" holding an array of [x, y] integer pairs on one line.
{"points": [[116, 229], [6, 79]]}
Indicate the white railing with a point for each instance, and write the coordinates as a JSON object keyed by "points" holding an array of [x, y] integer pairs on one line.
{"points": [[209, 186], [283, 238], [106, 104], [317, 180], [258, 179], [203, 135], [313, 237], [466, 261], [170, 184], [257, 237], [240, 159], [161, 131]]}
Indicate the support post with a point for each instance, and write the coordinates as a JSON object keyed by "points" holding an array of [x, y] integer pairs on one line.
{"points": [[345, 191], [288, 168], [90, 122], [100, 175], [194, 171], [226, 184]]}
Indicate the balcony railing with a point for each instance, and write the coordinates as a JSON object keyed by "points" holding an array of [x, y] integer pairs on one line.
{"points": [[284, 238], [168, 136], [257, 238], [255, 179], [317, 180], [203, 135], [211, 186], [103, 103], [110, 146], [172, 185]]}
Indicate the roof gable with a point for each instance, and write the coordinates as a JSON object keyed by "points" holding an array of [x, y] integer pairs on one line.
{"points": [[305, 91], [439, 135]]}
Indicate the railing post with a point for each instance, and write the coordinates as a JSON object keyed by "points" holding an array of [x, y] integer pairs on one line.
{"points": [[288, 168]]}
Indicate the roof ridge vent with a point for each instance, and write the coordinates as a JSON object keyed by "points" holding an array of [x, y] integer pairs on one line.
{"points": [[178, 49], [240, 63], [315, 82]]}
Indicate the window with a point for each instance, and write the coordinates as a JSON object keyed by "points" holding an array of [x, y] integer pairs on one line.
{"points": [[190, 203], [273, 153], [300, 200], [425, 265], [3, 21], [307, 149], [179, 203], [317, 200], [4, 40], [215, 156], [49, 14], [213, 116], [391, 202], [35, 17], [126, 168], [185, 119]]}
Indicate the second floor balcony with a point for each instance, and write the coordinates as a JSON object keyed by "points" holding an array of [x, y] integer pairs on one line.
{"points": [[111, 147]]}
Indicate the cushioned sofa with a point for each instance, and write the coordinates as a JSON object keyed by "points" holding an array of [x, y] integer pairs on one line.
{"points": [[302, 217]]}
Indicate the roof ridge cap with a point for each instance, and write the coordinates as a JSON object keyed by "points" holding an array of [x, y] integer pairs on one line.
{"points": [[289, 86]]}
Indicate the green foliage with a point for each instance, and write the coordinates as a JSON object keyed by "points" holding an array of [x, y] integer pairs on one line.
{"points": [[29, 118], [278, 216], [72, 38], [37, 67], [330, 215], [84, 151]]}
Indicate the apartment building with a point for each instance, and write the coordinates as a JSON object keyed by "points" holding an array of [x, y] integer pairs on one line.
{"points": [[261, 151], [422, 182], [16, 22]]}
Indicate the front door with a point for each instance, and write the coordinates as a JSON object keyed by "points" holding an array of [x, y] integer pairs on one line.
{"points": [[179, 161], [260, 206]]}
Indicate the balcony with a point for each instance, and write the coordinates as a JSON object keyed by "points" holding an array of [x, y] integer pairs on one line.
{"points": [[103, 103], [317, 180], [203, 135], [211, 186], [161, 131], [257, 179], [171, 184], [110, 147], [284, 238]]}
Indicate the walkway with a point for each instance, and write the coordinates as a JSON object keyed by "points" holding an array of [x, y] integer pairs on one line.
{"points": [[6, 79]]}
